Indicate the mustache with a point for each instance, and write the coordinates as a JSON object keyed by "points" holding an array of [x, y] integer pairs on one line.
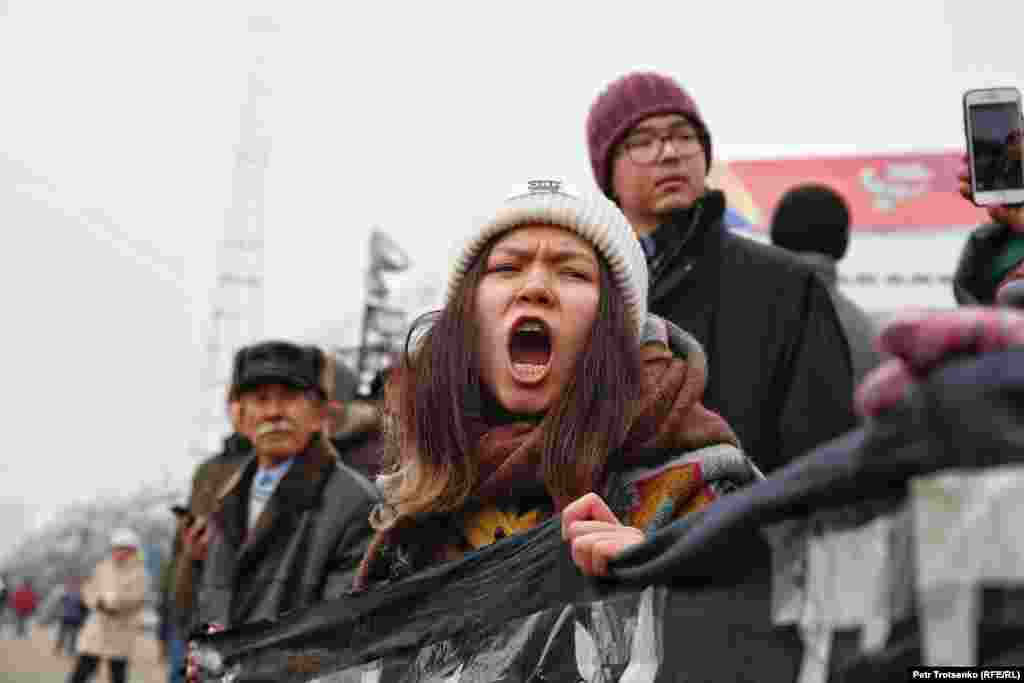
{"points": [[273, 426]]}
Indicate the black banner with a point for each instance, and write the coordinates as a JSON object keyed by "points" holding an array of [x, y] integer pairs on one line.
{"points": [[518, 611]]}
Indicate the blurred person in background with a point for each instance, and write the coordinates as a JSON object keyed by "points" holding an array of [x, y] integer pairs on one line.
{"points": [[4, 590], [172, 643], [24, 602], [71, 615], [813, 222], [991, 265], [191, 536], [115, 595], [353, 423]]}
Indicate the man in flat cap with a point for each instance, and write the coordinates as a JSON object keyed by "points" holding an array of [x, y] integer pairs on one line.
{"points": [[289, 527]]}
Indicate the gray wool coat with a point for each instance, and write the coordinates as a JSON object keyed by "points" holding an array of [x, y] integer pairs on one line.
{"points": [[304, 547]]}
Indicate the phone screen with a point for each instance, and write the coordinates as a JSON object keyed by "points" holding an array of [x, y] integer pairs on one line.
{"points": [[997, 146]]}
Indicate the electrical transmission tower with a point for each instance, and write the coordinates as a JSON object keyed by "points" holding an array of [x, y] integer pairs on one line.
{"points": [[236, 316]]}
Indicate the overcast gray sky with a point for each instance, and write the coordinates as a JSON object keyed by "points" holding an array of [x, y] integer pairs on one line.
{"points": [[119, 119]]}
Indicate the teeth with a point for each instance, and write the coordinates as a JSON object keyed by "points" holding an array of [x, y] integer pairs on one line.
{"points": [[529, 370], [272, 427], [531, 326]]}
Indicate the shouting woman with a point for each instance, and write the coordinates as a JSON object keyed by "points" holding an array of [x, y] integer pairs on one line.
{"points": [[544, 388]]}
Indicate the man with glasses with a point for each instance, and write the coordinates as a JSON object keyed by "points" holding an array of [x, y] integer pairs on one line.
{"points": [[290, 526], [779, 365]]}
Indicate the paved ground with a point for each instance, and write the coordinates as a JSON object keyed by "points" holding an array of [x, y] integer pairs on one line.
{"points": [[32, 661]]}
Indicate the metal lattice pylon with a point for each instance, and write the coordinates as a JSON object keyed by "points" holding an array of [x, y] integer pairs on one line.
{"points": [[236, 314]]}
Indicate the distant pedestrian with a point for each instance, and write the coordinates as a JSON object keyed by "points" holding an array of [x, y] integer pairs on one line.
{"points": [[353, 424], [24, 601], [5, 589], [172, 643], [192, 535], [72, 615], [115, 593]]}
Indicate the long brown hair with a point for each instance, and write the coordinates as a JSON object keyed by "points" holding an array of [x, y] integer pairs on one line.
{"points": [[431, 404]]}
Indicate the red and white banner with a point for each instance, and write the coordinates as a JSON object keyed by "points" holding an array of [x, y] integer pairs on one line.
{"points": [[895, 192]]}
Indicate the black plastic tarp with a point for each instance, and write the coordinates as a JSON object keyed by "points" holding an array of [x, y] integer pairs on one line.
{"points": [[520, 611]]}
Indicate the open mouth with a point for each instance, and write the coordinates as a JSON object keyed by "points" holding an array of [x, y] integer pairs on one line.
{"points": [[529, 350]]}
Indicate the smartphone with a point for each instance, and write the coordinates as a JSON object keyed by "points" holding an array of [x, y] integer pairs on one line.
{"points": [[993, 126]]}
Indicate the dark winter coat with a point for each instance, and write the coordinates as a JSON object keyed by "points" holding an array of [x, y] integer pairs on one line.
{"points": [[208, 479], [73, 610], [971, 284], [304, 546], [859, 328], [779, 365]]}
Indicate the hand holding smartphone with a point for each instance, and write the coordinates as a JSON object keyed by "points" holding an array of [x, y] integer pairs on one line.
{"points": [[196, 538], [995, 145]]}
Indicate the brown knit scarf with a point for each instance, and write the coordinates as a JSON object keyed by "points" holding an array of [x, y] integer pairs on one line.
{"points": [[670, 417]]}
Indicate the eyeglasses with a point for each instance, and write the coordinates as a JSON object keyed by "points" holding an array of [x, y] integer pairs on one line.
{"points": [[646, 148]]}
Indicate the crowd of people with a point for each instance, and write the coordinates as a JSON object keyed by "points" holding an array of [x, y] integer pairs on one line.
{"points": [[709, 361], [718, 360], [614, 362]]}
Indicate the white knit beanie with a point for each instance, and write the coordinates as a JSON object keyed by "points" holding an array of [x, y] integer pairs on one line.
{"points": [[592, 217], [124, 538]]}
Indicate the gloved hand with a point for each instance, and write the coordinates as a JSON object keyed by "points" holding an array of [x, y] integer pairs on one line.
{"points": [[920, 342]]}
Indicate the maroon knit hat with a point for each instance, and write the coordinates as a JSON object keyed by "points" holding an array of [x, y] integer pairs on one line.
{"points": [[626, 102]]}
